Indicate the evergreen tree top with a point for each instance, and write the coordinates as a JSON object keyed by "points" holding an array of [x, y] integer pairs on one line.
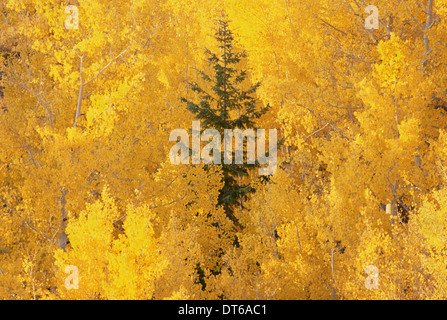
{"points": [[230, 104], [227, 83]]}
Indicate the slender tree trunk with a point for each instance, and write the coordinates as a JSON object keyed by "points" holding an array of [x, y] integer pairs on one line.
{"points": [[334, 297], [428, 24], [81, 92], [63, 235]]}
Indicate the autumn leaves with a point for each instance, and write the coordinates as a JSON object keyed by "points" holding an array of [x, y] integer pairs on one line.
{"points": [[352, 115]]}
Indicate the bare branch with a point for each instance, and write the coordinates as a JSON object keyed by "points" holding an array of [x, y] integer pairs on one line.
{"points": [[81, 90], [106, 66], [330, 25], [83, 84], [39, 99], [310, 135]]}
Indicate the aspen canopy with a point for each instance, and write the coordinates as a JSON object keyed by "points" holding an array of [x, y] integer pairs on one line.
{"points": [[92, 207]]}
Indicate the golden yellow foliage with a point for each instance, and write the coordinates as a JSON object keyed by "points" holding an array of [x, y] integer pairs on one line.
{"points": [[86, 181]]}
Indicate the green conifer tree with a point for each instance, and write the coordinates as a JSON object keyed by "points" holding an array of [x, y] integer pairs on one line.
{"points": [[228, 106]]}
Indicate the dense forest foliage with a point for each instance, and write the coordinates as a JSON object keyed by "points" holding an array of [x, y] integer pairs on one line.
{"points": [[92, 207]]}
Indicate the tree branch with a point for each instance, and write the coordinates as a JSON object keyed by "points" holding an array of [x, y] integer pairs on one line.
{"points": [[81, 90]]}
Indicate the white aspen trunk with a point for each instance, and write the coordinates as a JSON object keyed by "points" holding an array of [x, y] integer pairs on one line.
{"points": [[81, 90]]}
